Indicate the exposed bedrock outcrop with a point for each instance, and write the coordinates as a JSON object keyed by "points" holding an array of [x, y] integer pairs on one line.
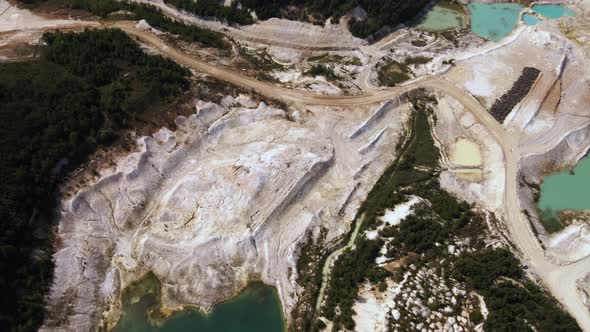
{"points": [[226, 198]]}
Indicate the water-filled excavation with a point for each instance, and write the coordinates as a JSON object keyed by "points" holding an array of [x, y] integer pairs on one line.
{"points": [[192, 165]]}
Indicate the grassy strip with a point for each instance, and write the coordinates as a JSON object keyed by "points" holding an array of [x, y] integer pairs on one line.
{"points": [[417, 60], [260, 59], [321, 70], [393, 72], [335, 58]]}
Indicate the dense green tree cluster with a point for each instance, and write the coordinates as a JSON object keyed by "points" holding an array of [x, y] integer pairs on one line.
{"points": [[385, 12], [107, 56], [316, 10], [309, 278], [85, 87], [514, 304], [354, 266], [483, 268], [430, 223], [154, 17], [151, 14], [379, 12], [417, 174], [417, 233], [214, 8]]}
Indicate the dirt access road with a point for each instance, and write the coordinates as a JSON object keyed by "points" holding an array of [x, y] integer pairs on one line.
{"points": [[560, 280]]}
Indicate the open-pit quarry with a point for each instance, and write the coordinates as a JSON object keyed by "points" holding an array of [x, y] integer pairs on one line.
{"points": [[293, 165]]}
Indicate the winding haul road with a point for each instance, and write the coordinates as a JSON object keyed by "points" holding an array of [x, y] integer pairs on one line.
{"points": [[560, 280]]}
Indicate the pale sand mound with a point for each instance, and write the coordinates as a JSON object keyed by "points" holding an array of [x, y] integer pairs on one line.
{"points": [[371, 312], [401, 211]]}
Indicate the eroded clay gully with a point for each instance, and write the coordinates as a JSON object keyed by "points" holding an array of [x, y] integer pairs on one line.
{"points": [[561, 280]]}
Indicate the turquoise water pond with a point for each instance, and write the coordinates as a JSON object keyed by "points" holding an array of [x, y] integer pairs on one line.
{"points": [[256, 309], [494, 21], [552, 11], [440, 18], [529, 19], [564, 191]]}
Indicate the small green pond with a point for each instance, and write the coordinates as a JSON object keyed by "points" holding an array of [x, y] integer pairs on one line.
{"points": [[441, 17], [494, 21], [564, 191], [256, 309], [552, 11]]}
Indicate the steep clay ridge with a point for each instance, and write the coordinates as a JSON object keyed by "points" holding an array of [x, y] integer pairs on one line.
{"points": [[225, 198]]}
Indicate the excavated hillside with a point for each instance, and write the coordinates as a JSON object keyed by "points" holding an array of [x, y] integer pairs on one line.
{"points": [[228, 197], [239, 187]]}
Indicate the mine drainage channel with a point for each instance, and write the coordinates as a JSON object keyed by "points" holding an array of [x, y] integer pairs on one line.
{"points": [[331, 259], [353, 236], [564, 191], [257, 309]]}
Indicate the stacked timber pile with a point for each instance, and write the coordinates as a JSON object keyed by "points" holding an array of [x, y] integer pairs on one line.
{"points": [[519, 90]]}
